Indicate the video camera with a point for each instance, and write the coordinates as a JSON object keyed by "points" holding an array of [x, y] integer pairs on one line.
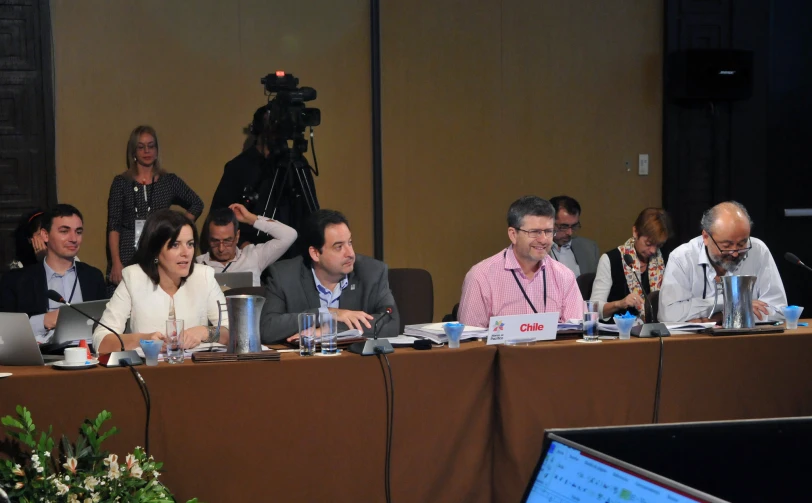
{"points": [[288, 116]]}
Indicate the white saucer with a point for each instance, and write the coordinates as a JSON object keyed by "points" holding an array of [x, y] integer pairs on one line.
{"points": [[62, 364], [588, 342], [4, 374]]}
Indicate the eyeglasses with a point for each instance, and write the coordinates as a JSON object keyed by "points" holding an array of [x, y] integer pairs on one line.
{"points": [[142, 148], [535, 233], [215, 243], [731, 252], [565, 227]]}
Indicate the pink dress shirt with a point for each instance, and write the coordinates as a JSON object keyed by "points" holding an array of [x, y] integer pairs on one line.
{"points": [[490, 290]]}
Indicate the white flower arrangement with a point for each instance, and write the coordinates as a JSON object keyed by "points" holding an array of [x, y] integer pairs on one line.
{"points": [[86, 475]]}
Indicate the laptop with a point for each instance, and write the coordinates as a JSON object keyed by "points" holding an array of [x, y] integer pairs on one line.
{"points": [[228, 280], [568, 471], [72, 326], [18, 346]]}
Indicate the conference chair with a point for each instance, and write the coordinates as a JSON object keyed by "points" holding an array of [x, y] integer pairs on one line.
{"points": [[414, 295], [246, 290], [652, 306], [585, 282]]}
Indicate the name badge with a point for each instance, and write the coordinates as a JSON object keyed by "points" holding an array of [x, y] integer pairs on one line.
{"points": [[139, 227], [522, 328]]}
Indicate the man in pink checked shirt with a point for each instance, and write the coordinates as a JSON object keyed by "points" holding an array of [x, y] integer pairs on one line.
{"points": [[522, 279]]}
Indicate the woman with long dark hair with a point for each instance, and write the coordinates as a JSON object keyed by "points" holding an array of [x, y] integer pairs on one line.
{"points": [[162, 282]]}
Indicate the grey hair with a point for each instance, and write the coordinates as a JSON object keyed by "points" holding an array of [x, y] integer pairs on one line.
{"points": [[528, 205], [710, 215]]}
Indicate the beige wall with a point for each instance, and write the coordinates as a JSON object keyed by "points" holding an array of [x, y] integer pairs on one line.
{"points": [[486, 101], [191, 69]]}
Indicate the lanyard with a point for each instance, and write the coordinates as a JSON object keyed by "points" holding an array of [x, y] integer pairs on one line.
{"points": [[544, 282], [224, 268], [147, 196], [75, 281]]}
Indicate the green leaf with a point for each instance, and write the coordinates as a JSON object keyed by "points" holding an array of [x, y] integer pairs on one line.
{"points": [[66, 447], [10, 421]]}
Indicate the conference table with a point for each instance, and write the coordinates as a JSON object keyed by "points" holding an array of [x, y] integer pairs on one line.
{"points": [[468, 423]]}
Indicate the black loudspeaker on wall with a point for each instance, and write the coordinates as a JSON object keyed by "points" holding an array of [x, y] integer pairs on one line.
{"points": [[710, 75]]}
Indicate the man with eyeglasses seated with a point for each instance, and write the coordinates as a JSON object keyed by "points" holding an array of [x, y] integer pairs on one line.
{"points": [[222, 234], [724, 248], [522, 279], [578, 253]]}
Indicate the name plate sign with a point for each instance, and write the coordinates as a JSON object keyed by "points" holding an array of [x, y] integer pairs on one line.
{"points": [[520, 328]]}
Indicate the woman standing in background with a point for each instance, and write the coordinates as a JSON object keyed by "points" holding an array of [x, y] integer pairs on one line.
{"points": [[135, 194]]}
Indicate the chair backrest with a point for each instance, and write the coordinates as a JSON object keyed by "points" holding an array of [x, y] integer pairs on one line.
{"points": [[652, 306], [414, 295], [585, 284], [246, 290]]}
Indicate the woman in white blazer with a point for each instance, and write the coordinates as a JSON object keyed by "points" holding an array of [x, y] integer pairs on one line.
{"points": [[164, 275]]}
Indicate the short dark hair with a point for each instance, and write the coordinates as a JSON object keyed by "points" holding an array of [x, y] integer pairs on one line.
{"points": [[312, 232], [528, 205], [567, 204], [220, 217], [60, 210], [161, 227]]}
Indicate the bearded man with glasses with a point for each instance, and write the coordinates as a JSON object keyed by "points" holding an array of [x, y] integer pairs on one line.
{"points": [[222, 234], [522, 279], [578, 253], [724, 248]]}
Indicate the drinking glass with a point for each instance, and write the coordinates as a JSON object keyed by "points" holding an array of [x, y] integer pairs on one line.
{"points": [[174, 341]]}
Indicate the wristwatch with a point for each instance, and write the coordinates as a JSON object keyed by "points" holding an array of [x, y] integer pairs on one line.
{"points": [[214, 334]]}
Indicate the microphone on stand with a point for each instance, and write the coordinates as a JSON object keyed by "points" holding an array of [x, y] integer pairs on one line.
{"points": [[795, 260], [375, 346], [646, 329], [121, 358]]}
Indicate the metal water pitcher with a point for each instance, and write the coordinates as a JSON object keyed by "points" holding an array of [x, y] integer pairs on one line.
{"points": [[737, 298], [244, 312]]}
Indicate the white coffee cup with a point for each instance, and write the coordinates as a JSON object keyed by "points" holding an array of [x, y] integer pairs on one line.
{"points": [[75, 355]]}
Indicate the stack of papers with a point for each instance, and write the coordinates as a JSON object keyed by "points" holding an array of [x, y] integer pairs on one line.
{"points": [[214, 347], [571, 324], [435, 333], [672, 327]]}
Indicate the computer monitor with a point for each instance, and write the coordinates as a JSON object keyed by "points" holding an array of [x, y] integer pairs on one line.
{"points": [[570, 472]]}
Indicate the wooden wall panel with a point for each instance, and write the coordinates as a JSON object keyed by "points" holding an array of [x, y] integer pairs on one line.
{"points": [[486, 101]]}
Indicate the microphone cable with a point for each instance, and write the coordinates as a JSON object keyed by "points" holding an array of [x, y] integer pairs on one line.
{"points": [[139, 380], [656, 417], [142, 385], [390, 420]]}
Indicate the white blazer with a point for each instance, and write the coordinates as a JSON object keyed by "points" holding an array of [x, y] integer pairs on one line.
{"points": [[146, 304]]}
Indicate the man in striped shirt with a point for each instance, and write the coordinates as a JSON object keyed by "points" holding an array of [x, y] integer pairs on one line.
{"points": [[522, 279]]}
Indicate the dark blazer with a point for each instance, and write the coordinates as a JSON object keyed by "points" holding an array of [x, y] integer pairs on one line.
{"points": [[25, 290], [291, 290], [586, 254]]}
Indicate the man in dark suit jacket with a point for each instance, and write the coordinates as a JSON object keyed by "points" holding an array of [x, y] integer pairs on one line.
{"points": [[578, 253], [25, 291], [328, 276]]}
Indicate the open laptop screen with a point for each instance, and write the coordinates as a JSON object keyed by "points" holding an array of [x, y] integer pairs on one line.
{"points": [[572, 473]]}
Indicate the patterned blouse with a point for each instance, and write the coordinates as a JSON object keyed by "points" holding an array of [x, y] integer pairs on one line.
{"points": [[130, 201]]}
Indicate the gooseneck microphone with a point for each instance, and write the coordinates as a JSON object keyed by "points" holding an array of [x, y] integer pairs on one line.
{"points": [[791, 257], [630, 262], [58, 298], [387, 314], [375, 346], [121, 358]]}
